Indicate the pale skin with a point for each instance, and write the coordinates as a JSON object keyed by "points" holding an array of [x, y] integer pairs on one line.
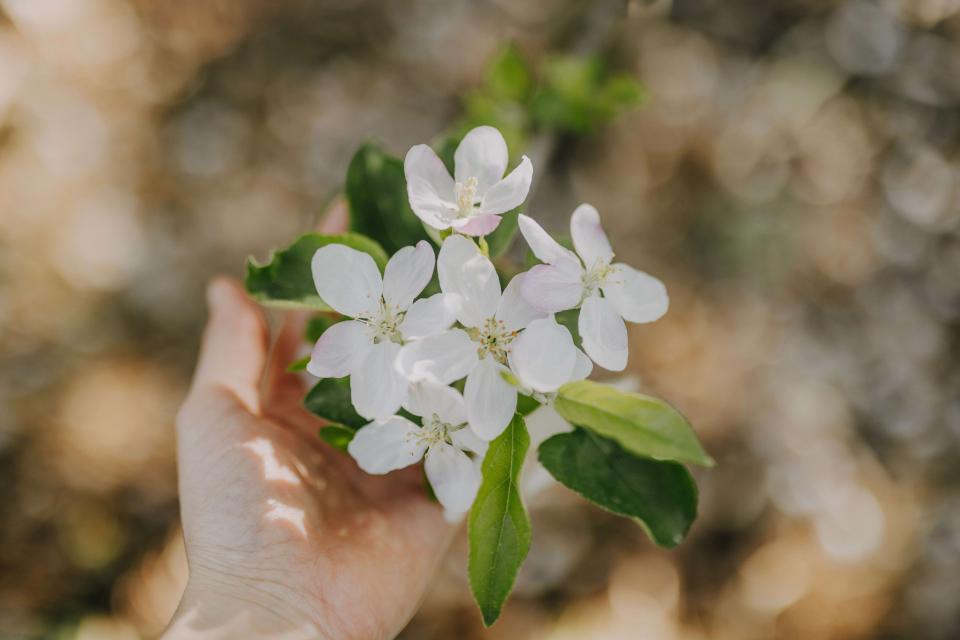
{"points": [[286, 537]]}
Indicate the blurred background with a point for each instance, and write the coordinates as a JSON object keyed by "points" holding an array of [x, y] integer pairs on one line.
{"points": [[789, 168]]}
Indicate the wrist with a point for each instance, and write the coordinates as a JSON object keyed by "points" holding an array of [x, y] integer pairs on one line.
{"points": [[215, 608]]}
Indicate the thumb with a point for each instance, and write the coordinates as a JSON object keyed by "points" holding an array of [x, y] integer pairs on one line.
{"points": [[234, 346]]}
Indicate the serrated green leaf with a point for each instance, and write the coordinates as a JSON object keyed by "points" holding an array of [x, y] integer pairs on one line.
{"points": [[499, 528], [376, 192], [661, 496], [286, 281], [298, 365], [330, 400], [337, 435], [645, 425]]}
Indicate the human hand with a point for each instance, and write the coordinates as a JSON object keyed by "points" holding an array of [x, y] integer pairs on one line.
{"points": [[286, 537]]}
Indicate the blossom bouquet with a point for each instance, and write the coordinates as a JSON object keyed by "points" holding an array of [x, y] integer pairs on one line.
{"points": [[430, 345]]}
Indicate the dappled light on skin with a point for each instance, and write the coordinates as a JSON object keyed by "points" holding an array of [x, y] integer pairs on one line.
{"points": [[280, 512], [272, 468]]}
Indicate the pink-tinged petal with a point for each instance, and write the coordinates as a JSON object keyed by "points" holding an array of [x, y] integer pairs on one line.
{"points": [[491, 400], [469, 279], [603, 333], [429, 187], [544, 247], [444, 357], [407, 273], [482, 154], [552, 289], [382, 447], [510, 192], [377, 389], [429, 397], [427, 317], [454, 478], [514, 310], [543, 357], [637, 296], [479, 224], [589, 239], [346, 279], [339, 350]]}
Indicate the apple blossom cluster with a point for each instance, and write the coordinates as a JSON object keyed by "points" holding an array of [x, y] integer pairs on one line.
{"points": [[406, 355]]}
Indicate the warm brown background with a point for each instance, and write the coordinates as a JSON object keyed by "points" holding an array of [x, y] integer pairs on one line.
{"points": [[794, 180]]}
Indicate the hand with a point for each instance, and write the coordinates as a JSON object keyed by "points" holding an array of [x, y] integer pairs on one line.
{"points": [[286, 537]]}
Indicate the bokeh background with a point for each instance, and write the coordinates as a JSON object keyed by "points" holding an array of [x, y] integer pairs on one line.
{"points": [[792, 175]]}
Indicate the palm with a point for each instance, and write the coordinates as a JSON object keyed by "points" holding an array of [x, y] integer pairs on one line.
{"points": [[293, 524]]}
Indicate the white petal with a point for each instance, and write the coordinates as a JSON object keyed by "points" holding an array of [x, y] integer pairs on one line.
{"points": [[514, 309], [550, 288], [426, 317], [445, 357], [339, 350], [588, 236], [637, 296], [454, 477], [468, 440], [510, 192], [544, 356], [541, 424], [348, 280], [407, 273], [544, 247], [381, 447], [428, 397], [583, 367], [377, 389], [429, 187], [478, 224], [491, 400], [470, 279], [603, 333], [482, 154]]}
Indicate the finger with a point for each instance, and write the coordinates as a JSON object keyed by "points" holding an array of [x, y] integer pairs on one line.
{"points": [[283, 388], [336, 218], [234, 345]]}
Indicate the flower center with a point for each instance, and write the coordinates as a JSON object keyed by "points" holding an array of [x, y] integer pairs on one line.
{"points": [[595, 277], [466, 197], [385, 324], [435, 431], [493, 339]]}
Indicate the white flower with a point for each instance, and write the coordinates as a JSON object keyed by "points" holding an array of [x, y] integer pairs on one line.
{"points": [[384, 317], [493, 328], [472, 204], [394, 443], [565, 282]]}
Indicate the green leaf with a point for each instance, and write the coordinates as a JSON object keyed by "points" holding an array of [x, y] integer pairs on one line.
{"points": [[499, 528], [337, 435], [501, 238], [377, 195], [298, 365], [526, 405], [508, 75], [660, 496], [645, 425], [318, 324], [330, 400], [286, 281], [571, 320]]}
